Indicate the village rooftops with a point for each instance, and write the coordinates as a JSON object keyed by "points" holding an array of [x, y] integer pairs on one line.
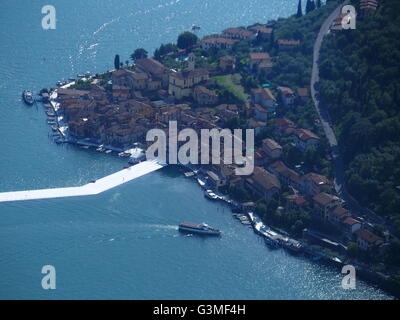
{"points": [[284, 123], [285, 171], [271, 144], [340, 212], [302, 92], [261, 29], [259, 56], [186, 74], [350, 221], [265, 179], [304, 134], [71, 92], [369, 237], [325, 198], [265, 93], [204, 90], [238, 33], [219, 40], [260, 109], [151, 66], [285, 91], [288, 42], [368, 4], [318, 179]]}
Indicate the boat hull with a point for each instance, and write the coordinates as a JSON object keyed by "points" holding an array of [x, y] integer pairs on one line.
{"points": [[199, 231]]}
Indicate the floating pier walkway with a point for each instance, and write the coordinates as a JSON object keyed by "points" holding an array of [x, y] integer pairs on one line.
{"points": [[92, 188]]}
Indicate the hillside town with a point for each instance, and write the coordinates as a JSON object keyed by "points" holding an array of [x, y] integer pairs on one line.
{"points": [[117, 108]]}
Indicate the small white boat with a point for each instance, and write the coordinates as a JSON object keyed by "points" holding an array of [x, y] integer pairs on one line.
{"points": [[210, 195], [108, 151]]}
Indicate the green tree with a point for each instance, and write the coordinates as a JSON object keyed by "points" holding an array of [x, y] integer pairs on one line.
{"points": [[116, 62], [299, 10], [186, 40], [139, 53]]}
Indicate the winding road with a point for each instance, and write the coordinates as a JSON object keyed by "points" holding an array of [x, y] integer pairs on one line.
{"points": [[338, 168]]}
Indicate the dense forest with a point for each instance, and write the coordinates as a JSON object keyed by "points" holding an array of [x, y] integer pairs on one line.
{"points": [[360, 85]]}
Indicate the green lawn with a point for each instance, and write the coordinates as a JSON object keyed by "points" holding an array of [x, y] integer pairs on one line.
{"points": [[231, 82]]}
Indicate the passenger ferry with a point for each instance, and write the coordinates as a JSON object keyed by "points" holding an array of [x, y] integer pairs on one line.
{"points": [[201, 228]]}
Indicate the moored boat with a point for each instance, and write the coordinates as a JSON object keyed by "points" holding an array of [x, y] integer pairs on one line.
{"points": [[28, 98]]}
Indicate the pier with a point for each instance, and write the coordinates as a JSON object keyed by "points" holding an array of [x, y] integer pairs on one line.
{"points": [[95, 187]]}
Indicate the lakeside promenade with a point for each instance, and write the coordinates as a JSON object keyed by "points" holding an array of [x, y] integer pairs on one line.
{"points": [[96, 187]]}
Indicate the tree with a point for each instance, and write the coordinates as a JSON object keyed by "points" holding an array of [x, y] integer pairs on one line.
{"points": [[186, 40], [310, 6], [299, 10], [319, 4], [116, 62], [139, 53]]}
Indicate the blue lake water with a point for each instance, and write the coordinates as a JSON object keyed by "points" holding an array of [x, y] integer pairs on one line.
{"points": [[124, 244]]}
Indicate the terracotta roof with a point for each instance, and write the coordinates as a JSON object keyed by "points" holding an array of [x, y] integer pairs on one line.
{"points": [[238, 32], [285, 90], [264, 92], [271, 144], [350, 221], [369, 237], [204, 90], [265, 179], [152, 66], [259, 56], [252, 123], [340, 211], [186, 74], [285, 171], [261, 29], [324, 198], [284, 122], [305, 134], [260, 108], [218, 40], [302, 92], [317, 179], [288, 42], [71, 92]]}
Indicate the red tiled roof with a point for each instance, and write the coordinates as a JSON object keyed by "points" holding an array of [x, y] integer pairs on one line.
{"points": [[369, 237], [324, 198], [239, 32], [259, 56]]}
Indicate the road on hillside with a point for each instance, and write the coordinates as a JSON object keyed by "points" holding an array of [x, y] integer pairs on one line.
{"points": [[338, 168]]}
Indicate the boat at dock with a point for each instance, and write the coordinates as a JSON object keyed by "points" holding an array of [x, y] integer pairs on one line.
{"points": [[271, 238], [292, 245], [210, 195], [28, 97], [201, 228], [136, 155]]}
